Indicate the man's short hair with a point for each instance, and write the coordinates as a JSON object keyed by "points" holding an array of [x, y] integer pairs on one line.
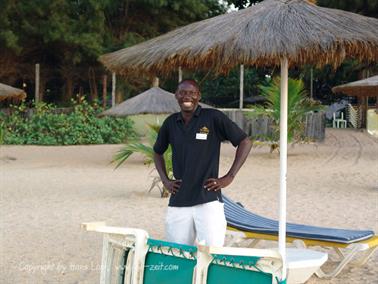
{"points": [[189, 81]]}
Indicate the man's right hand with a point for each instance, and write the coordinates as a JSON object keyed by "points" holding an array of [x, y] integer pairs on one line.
{"points": [[172, 186]]}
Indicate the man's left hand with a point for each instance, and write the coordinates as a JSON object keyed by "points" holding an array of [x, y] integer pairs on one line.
{"points": [[215, 184]]}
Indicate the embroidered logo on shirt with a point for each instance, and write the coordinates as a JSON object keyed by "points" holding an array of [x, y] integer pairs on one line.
{"points": [[204, 130], [202, 135]]}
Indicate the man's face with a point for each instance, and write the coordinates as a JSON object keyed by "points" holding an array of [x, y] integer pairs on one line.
{"points": [[188, 96]]}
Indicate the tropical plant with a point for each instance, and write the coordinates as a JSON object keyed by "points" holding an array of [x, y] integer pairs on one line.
{"points": [[298, 105], [137, 146]]}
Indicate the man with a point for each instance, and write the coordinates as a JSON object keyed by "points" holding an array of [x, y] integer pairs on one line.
{"points": [[195, 208]]}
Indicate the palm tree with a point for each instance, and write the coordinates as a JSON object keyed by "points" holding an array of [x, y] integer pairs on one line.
{"points": [[136, 146], [298, 105]]}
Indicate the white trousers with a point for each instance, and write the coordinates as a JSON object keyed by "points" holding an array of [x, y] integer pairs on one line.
{"points": [[205, 222]]}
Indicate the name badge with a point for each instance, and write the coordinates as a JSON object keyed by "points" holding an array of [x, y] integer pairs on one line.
{"points": [[201, 136]]}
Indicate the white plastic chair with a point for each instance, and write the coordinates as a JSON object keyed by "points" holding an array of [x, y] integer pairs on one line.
{"points": [[339, 122]]}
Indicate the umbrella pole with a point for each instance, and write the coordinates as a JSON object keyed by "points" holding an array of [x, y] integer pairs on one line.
{"points": [[241, 97], [283, 162]]}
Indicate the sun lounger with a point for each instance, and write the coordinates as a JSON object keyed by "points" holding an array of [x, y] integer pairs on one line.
{"points": [[243, 224], [146, 261]]}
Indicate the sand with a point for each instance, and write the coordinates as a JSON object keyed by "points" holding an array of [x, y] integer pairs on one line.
{"points": [[47, 192]]}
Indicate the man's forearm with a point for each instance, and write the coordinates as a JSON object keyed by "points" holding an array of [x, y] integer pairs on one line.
{"points": [[240, 156], [160, 167]]}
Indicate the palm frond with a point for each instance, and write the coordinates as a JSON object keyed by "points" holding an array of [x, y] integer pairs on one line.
{"points": [[298, 106], [130, 148]]}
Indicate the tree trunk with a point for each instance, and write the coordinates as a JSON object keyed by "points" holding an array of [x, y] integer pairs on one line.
{"points": [[93, 96], [104, 92], [42, 87], [119, 97], [69, 89]]}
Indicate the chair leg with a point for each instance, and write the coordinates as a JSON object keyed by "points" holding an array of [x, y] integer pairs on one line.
{"points": [[299, 244], [253, 243], [367, 254], [107, 258], [234, 240], [348, 257], [344, 259]]}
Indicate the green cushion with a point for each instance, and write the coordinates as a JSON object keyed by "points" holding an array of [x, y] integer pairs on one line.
{"points": [[167, 269], [220, 274], [169, 263]]}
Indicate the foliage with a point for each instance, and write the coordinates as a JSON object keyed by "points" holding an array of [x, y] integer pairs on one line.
{"points": [[241, 4], [2, 126], [224, 91], [46, 126], [66, 37], [326, 77], [136, 146], [364, 7], [298, 106]]}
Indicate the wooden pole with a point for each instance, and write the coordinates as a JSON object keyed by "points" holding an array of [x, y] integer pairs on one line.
{"points": [[37, 83], [113, 88], [311, 84], [104, 88], [180, 74], [155, 82], [241, 86]]}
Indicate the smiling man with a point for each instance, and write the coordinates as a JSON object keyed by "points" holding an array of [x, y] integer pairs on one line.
{"points": [[195, 208]]}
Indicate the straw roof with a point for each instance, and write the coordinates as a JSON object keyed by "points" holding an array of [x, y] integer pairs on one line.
{"points": [[365, 87], [154, 101], [7, 92], [259, 35]]}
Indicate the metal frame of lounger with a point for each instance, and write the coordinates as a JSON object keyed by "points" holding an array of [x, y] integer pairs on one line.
{"points": [[346, 251], [137, 244]]}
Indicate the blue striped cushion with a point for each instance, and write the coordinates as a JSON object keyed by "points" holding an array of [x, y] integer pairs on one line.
{"points": [[242, 219]]}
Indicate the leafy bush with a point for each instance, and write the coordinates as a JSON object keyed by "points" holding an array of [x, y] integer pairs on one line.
{"points": [[45, 126]]}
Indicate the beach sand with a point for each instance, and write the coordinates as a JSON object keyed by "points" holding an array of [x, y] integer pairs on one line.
{"points": [[47, 192]]}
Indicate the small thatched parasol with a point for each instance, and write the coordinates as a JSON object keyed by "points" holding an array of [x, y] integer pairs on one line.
{"points": [[152, 101], [7, 92], [362, 89], [273, 32], [366, 87]]}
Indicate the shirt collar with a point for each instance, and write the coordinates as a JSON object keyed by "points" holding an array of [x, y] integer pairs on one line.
{"points": [[196, 113]]}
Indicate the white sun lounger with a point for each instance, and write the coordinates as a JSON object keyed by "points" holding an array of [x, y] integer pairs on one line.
{"points": [[202, 265]]}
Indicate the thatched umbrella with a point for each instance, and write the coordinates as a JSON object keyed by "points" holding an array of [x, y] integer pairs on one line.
{"points": [[273, 32], [7, 92], [362, 89], [152, 101], [260, 35], [366, 87]]}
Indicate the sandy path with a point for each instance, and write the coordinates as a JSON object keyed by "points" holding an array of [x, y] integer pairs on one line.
{"points": [[46, 192]]}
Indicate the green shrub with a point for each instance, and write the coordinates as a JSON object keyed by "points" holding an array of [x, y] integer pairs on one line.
{"points": [[45, 126]]}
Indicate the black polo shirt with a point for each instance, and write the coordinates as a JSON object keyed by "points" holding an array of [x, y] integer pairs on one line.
{"points": [[196, 151]]}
